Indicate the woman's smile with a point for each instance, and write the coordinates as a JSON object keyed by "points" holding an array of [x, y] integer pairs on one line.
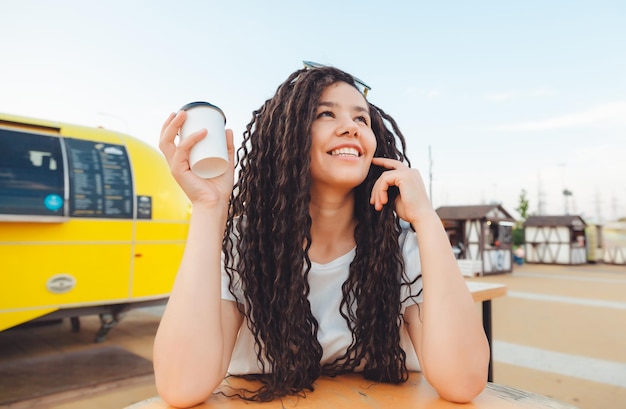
{"points": [[346, 152]]}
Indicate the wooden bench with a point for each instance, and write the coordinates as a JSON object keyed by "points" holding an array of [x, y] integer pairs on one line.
{"points": [[470, 268]]}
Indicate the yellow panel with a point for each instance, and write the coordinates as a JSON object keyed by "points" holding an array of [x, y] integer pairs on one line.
{"points": [[101, 272], [83, 230], [13, 318], [91, 134], [154, 231], [153, 178], [156, 269]]}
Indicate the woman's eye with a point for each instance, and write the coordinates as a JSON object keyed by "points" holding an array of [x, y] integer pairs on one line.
{"points": [[324, 114], [362, 119]]}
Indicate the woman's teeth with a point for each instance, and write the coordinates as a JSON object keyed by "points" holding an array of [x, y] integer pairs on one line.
{"points": [[345, 152]]}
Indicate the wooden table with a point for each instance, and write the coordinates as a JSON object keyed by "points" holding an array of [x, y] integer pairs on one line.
{"points": [[485, 292], [353, 391]]}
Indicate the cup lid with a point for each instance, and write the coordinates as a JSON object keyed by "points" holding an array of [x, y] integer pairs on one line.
{"points": [[190, 105]]}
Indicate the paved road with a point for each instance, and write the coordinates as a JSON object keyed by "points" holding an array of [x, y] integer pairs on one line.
{"points": [[560, 332]]}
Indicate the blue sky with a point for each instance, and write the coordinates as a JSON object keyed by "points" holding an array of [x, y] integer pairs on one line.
{"points": [[507, 95]]}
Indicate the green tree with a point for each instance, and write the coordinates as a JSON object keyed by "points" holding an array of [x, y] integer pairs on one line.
{"points": [[522, 209]]}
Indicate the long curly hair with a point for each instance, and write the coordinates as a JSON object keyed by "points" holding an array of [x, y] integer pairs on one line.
{"points": [[269, 216]]}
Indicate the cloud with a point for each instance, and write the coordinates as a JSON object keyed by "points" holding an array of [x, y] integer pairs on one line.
{"points": [[505, 96], [612, 112]]}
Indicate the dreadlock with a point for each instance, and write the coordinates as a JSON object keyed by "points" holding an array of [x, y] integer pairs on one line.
{"points": [[269, 216]]}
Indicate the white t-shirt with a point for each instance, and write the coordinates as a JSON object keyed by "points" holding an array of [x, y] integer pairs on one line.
{"points": [[334, 336]]}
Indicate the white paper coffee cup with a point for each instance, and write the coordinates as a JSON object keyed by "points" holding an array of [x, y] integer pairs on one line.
{"points": [[209, 157]]}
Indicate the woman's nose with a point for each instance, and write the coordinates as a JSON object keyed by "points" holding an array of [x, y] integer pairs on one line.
{"points": [[348, 127]]}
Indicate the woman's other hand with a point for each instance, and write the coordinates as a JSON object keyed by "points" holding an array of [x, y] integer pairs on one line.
{"points": [[412, 202]]}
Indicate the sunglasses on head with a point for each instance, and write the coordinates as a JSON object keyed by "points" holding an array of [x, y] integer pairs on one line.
{"points": [[363, 87]]}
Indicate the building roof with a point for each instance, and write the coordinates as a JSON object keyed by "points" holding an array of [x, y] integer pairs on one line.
{"points": [[491, 212], [566, 220]]}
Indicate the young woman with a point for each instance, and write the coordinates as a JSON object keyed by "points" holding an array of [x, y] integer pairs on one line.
{"points": [[309, 264]]}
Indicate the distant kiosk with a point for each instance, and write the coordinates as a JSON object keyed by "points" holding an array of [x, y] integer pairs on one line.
{"points": [[481, 237], [555, 240], [614, 239]]}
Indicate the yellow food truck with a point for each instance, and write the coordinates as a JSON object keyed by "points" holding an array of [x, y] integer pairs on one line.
{"points": [[91, 222]]}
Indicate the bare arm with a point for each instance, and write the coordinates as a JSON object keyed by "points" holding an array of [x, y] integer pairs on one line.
{"points": [[445, 329], [198, 330], [448, 336]]}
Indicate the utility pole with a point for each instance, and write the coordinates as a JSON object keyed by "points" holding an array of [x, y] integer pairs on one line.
{"points": [[540, 195], [598, 207], [566, 192]]}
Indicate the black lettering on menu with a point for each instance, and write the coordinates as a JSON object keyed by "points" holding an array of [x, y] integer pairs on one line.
{"points": [[100, 180]]}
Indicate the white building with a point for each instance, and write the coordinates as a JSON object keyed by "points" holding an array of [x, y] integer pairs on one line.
{"points": [[482, 237], [614, 240], [555, 240]]}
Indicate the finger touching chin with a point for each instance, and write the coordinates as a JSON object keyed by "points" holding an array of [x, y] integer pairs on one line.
{"points": [[385, 162]]}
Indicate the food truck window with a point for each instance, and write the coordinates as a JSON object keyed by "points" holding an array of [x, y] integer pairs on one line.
{"points": [[31, 174]]}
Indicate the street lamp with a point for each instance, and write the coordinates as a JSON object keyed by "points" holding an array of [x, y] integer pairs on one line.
{"points": [[566, 194]]}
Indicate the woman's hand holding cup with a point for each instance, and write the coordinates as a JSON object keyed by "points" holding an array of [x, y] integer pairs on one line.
{"points": [[203, 160]]}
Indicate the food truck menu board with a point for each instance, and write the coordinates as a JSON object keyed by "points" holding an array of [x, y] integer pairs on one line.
{"points": [[100, 180]]}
